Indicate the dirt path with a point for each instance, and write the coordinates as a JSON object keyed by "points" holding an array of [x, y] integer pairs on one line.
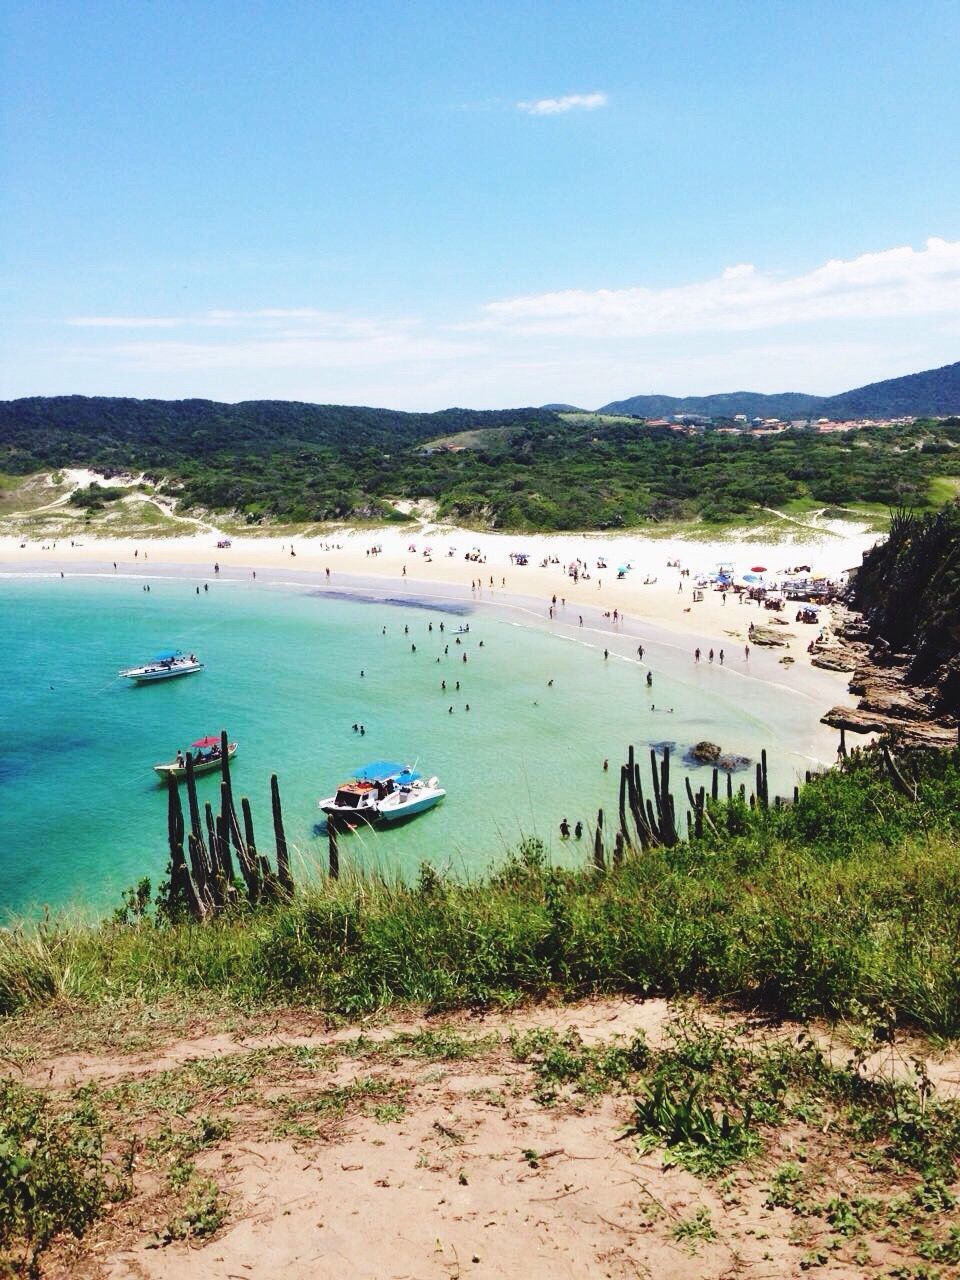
{"points": [[428, 1148]]}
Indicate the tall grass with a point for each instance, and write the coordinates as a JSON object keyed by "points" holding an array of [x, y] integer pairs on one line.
{"points": [[845, 901]]}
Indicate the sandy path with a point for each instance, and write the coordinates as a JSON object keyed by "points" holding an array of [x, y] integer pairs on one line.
{"points": [[468, 1173]]}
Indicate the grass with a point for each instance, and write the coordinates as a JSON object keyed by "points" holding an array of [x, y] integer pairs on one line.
{"points": [[841, 904], [66, 1156]]}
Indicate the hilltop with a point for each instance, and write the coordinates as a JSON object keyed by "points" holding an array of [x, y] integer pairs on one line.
{"points": [[928, 394]]}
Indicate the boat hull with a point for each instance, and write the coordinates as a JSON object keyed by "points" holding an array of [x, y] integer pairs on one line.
{"points": [[174, 770], [395, 813], [148, 675]]}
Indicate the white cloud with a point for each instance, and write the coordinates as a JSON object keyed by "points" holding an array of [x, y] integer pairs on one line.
{"points": [[894, 283], [838, 325], [266, 339], [125, 322], [559, 106]]}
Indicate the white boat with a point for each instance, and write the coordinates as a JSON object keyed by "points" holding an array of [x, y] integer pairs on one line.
{"points": [[382, 790], [407, 800], [165, 666]]}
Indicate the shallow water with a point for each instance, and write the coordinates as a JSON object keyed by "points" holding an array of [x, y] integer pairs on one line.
{"points": [[83, 816]]}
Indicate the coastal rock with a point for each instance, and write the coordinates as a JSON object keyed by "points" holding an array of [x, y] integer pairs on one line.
{"points": [[924, 733], [731, 763], [834, 660], [705, 753], [767, 636]]}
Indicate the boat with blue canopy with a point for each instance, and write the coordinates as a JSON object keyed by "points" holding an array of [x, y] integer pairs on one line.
{"points": [[164, 666], [383, 790]]}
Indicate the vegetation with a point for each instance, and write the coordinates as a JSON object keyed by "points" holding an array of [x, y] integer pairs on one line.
{"points": [[841, 904], [932, 392], [909, 590], [517, 469]]}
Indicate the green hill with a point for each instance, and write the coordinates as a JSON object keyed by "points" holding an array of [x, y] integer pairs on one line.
{"points": [[932, 393]]}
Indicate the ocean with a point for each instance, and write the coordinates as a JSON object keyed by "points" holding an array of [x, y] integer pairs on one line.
{"points": [[83, 815]]}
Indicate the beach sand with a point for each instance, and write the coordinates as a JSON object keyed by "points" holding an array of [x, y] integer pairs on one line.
{"points": [[651, 592]]}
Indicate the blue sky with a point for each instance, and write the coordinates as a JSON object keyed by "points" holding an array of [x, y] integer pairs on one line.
{"points": [[421, 204]]}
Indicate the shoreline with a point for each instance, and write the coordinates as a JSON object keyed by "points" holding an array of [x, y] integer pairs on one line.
{"points": [[664, 632], [652, 592]]}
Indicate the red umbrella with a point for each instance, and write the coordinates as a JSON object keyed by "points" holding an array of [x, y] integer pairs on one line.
{"points": [[206, 742], [758, 568]]}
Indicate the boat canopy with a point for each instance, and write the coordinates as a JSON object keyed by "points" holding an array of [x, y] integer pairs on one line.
{"points": [[206, 743], [165, 655], [382, 770]]}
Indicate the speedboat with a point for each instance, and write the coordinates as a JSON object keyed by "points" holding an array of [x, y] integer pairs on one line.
{"points": [[164, 666], [410, 798], [206, 756], [384, 790]]}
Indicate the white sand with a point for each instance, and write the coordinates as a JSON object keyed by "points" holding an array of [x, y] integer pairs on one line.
{"points": [[666, 601]]}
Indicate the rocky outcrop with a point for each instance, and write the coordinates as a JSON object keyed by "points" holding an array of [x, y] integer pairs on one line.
{"points": [[769, 636], [889, 702]]}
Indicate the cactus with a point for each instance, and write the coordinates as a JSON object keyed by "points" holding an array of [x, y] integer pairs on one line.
{"points": [[333, 849], [598, 854], [182, 892], [283, 857]]}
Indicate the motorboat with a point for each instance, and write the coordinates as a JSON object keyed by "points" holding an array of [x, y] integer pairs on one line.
{"points": [[164, 666], [409, 799], [383, 789], [206, 753]]}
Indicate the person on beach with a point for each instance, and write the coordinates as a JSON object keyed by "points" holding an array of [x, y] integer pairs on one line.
{"points": [[328, 572], [640, 651], [550, 683], [564, 829], [581, 619], [606, 765], [413, 648], [216, 567], [458, 686], [746, 652], [362, 673], [443, 686], [362, 731], [464, 657], [441, 626], [711, 655], [606, 653], [649, 679], [696, 655], [578, 831], [721, 657], [450, 711]]}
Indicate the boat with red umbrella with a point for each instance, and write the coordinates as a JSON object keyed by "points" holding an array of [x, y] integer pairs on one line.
{"points": [[206, 753]]}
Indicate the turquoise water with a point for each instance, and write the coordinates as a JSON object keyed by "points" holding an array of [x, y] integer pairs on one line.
{"points": [[83, 816]]}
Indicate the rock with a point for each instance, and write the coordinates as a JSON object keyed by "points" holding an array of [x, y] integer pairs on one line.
{"points": [[767, 636], [926, 733], [787, 660], [705, 753], [732, 763], [834, 661]]}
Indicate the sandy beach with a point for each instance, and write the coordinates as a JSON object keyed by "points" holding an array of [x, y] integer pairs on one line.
{"points": [[430, 557]]}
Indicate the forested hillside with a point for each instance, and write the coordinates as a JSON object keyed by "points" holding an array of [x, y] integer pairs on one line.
{"points": [[520, 469], [928, 394]]}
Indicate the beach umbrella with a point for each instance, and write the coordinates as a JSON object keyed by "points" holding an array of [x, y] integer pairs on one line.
{"points": [[758, 568]]}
